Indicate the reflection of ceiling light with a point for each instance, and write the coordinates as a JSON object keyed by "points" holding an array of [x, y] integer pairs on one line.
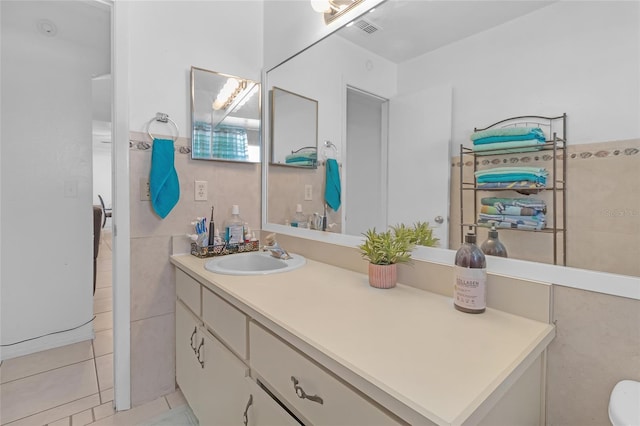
{"points": [[231, 89], [244, 99], [47, 27], [234, 94], [332, 9]]}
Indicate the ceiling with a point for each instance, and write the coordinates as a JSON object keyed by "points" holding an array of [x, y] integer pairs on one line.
{"points": [[82, 23], [400, 30]]}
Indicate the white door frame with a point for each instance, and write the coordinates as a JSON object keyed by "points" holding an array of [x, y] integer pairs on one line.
{"points": [[120, 219]]}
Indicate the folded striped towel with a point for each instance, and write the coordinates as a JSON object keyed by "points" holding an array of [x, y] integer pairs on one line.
{"points": [[534, 203]]}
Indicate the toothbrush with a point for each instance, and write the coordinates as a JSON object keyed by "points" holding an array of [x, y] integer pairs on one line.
{"points": [[211, 230]]}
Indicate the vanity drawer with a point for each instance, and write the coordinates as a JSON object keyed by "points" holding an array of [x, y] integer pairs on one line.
{"points": [[227, 322], [188, 290], [281, 366]]}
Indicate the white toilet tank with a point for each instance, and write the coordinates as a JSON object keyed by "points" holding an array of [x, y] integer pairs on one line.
{"points": [[624, 404]]}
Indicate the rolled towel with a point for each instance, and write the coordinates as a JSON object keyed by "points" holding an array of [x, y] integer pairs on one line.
{"points": [[163, 178]]}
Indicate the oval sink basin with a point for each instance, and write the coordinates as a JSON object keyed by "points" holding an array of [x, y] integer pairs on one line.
{"points": [[253, 263]]}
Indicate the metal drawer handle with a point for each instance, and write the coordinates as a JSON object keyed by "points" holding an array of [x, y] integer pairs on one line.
{"points": [[192, 341], [201, 361], [245, 416], [303, 395]]}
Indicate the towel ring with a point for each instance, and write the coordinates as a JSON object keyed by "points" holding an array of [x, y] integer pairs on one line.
{"points": [[162, 118], [329, 150]]}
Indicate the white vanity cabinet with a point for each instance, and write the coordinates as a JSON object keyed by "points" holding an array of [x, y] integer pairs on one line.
{"points": [[188, 367], [215, 380], [306, 347], [316, 394]]}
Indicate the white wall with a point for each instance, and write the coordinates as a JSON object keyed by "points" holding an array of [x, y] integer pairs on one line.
{"points": [[165, 39], [47, 225], [579, 57]]}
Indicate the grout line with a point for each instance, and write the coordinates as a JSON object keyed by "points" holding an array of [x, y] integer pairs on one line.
{"points": [[51, 369], [52, 408]]}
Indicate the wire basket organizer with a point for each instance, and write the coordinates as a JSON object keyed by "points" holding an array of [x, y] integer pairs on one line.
{"points": [[224, 249]]}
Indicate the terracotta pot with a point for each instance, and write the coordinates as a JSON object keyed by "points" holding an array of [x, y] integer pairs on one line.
{"points": [[383, 276]]}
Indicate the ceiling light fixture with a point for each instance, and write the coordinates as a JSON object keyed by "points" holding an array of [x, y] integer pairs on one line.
{"points": [[332, 9]]}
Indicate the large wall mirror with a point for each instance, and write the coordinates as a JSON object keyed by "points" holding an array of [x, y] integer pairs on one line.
{"points": [[432, 72], [225, 117], [294, 129]]}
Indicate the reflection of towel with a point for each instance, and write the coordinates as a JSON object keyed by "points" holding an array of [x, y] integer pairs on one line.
{"points": [[511, 185], [512, 133], [163, 179], [508, 147], [302, 158], [510, 210], [538, 221], [533, 203], [332, 186]]}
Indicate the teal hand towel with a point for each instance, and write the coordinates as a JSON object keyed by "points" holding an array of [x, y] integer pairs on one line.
{"points": [[163, 179], [332, 185]]}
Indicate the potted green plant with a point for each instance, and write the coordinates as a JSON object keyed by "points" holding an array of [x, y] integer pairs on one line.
{"points": [[421, 234], [384, 250]]}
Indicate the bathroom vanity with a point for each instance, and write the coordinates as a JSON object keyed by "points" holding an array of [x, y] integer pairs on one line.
{"points": [[320, 345]]}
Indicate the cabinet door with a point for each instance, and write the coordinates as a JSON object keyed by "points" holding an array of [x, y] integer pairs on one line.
{"points": [[223, 388], [263, 410], [188, 367]]}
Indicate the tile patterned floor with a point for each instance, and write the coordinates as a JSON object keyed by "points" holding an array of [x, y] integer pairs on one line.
{"points": [[73, 385]]}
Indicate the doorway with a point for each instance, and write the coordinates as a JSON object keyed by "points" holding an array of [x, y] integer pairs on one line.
{"points": [[366, 149]]}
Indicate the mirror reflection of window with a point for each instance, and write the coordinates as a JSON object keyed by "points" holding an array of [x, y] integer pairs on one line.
{"points": [[225, 115]]}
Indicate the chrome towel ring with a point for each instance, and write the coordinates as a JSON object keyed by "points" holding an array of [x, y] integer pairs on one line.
{"points": [[162, 118]]}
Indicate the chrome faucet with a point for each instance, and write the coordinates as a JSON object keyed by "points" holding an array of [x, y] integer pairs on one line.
{"points": [[275, 249]]}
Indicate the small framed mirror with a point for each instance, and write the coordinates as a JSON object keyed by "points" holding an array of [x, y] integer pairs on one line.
{"points": [[294, 129], [225, 117]]}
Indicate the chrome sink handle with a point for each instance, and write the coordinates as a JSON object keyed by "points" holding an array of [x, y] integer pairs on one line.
{"points": [[303, 395]]}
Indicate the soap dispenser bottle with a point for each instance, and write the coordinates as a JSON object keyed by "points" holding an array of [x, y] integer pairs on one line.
{"points": [[234, 227], [470, 283], [299, 219], [493, 246]]}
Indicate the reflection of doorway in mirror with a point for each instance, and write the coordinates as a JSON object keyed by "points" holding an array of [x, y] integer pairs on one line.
{"points": [[365, 206]]}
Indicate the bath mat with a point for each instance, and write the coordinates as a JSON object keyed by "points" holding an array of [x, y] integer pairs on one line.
{"points": [[179, 416]]}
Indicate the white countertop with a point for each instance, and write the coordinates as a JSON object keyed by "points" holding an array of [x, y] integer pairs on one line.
{"points": [[411, 344]]}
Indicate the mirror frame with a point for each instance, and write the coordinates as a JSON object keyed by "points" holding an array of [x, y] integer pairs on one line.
{"points": [[546, 274], [272, 124], [193, 114]]}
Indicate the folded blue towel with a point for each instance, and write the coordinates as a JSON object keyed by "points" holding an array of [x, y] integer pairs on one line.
{"points": [[506, 131], [534, 134], [163, 178], [513, 177], [332, 185]]}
